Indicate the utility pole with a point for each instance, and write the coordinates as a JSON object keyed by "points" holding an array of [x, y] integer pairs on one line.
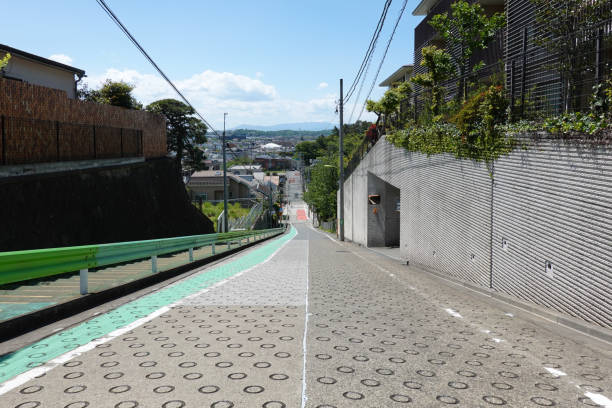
{"points": [[225, 226], [341, 181]]}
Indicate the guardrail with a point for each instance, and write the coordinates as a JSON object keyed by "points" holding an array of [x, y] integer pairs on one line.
{"points": [[18, 266]]}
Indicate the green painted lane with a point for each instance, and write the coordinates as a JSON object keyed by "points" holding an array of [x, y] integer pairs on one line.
{"points": [[54, 346]]}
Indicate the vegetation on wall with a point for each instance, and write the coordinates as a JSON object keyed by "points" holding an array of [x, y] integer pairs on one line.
{"points": [[4, 62], [467, 29]]}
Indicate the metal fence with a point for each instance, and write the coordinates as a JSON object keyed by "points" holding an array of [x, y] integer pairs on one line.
{"points": [[358, 154], [28, 141]]}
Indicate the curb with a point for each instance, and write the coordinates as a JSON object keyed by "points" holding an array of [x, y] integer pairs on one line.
{"points": [[20, 325]]}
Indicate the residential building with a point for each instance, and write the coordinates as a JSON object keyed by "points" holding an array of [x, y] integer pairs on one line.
{"points": [[403, 74], [36, 70], [245, 169], [208, 184]]}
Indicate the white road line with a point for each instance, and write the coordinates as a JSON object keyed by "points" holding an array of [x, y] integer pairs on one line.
{"points": [[599, 399], [453, 313], [554, 371], [50, 365], [306, 311]]}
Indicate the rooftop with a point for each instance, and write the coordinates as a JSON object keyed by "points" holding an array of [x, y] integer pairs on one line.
{"points": [[397, 75], [36, 58]]}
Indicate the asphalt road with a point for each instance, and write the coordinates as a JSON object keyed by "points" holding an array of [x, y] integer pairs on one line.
{"points": [[307, 321]]}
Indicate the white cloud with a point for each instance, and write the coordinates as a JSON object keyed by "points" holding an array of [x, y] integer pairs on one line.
{"points": [[259, 74], [323, 85], [61, 58], [247, 100]]}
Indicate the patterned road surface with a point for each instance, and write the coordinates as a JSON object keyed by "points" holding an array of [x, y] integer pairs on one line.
{"points": [[305, 321]]}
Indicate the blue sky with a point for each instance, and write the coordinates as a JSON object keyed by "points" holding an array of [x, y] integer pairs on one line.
{"points": [[265, 62]]}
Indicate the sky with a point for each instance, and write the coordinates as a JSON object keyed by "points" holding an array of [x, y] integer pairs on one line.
{"points": [[264, 62]]}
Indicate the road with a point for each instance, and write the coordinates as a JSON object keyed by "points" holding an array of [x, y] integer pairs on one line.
{"points": [[307, 321]]}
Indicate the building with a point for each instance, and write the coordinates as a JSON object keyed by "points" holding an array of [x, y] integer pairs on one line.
{"points": [[208, 184], [245, 169], [275, 163], [36, 70], [425, 35], [403, 74]]}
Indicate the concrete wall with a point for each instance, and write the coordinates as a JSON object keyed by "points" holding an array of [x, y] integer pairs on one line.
{"points": [[547, 205]]}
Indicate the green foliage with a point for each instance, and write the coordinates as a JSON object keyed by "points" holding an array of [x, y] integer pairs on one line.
{"points": [[185, 132], [116, 93], [327, 146], [568, 28], [466, 29], [439, 69], [212, 211], [322, 187], [4, 61], [391, 102], [601, 99], [569, 123], [475, 132]]}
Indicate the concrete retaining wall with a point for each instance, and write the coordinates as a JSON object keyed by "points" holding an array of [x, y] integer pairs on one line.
{"points": [[540, 229]]}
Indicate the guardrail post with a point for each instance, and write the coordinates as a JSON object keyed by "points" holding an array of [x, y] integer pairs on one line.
{"points": [[229, 245], [190, 254], [154, 264], [213, 248], [83, 281]]}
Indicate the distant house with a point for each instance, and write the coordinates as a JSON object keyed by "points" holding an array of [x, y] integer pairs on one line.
{"points": [[403, 74], [275, 163], [245, 169], [208, 184], [36, 70]]}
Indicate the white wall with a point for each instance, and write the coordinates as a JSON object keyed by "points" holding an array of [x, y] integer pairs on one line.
{"points": [[41, 74]]}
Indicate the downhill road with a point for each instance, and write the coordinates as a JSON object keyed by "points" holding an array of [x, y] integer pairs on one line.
{"points": [[307, 321]]}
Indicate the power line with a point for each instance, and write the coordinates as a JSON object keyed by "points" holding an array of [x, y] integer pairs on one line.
{"points": [[369, 51], [146, 55], [383, 58]]}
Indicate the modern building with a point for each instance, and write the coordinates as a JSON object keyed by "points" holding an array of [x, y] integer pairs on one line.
{"points": [[36, 70], [403, 74]]}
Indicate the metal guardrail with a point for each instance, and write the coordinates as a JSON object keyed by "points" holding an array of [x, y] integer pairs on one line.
{"points": [[18, 266]]}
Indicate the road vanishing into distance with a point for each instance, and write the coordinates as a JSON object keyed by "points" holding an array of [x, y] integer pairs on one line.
{"points": [[306, 321]]}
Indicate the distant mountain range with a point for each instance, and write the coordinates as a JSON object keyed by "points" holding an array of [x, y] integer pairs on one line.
{"points": [[308, 126]]}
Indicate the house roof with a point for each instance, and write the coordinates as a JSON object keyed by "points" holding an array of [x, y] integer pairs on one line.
{"points": [[36, 58], [394, 77]]}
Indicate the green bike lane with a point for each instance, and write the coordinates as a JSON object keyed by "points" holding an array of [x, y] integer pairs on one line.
{"points": [[36, 359]]}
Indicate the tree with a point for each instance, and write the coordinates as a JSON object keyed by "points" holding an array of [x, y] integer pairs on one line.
{"points": [[568, 29], [439, 69], [4, 62], [185, 132], [467, 29], [321, 194], [116, 93], [391, 102]]}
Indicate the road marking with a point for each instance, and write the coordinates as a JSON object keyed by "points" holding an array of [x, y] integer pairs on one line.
{"points": [[556, 372], [599, 399], [453, 313], [28, 375], [304, 348]]}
